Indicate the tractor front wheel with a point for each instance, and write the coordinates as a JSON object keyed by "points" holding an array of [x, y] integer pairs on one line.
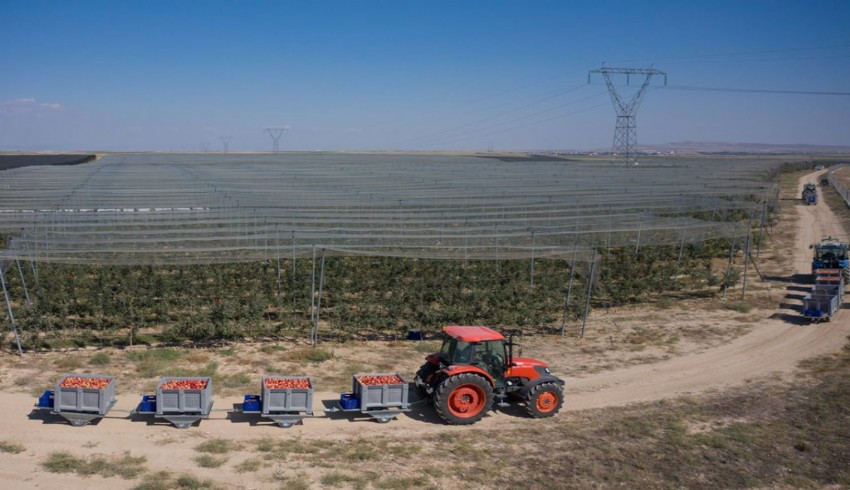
{"points": [[463, 399], [544, 400]]}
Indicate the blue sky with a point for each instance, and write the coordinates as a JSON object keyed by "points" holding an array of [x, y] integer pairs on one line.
{"points": [[380, 75]]}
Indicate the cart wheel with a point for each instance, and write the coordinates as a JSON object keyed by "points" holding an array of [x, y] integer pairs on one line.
{"points": [[384, 420], [182, 425], [285, 425], [78, 423]]}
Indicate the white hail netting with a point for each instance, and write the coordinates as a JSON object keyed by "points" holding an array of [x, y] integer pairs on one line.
{"points": [[203, 208]]}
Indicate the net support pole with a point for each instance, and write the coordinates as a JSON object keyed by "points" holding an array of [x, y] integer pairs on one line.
{"points": [[761, 227], [11, 315], [319, 300], [293, 278], [681, 249], [747, 250], [589, 289], [732, 238], [569, 292], [313, 294], [23, 281], [531, 272], [746, 263], [637, 241], [279, 278]]}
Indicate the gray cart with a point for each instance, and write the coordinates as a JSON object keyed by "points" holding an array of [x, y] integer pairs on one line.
{"points": [[826, 296], [79, 405], [381, 402], [284, 406], [181, 407]]}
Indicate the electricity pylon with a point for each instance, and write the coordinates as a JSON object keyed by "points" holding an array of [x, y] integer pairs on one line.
{"points": [[225, 141], [276, 133], [625, 132]]}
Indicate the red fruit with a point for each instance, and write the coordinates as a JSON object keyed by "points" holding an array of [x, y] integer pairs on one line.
{"points": [[282, 383], [81, 382], [380, 380], [185, 384]]}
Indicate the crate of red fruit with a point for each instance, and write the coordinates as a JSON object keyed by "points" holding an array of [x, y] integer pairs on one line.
{"points": [[184, 395], [91, 393], [380, 390], [287, 394]]}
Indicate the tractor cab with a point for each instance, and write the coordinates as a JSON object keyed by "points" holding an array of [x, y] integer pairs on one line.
{"points": [[476, 346]]}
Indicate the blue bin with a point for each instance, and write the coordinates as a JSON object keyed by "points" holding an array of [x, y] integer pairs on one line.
{"points": [[46, 399], [349, 401], [415, 335], [252, 403], [148, 403]]}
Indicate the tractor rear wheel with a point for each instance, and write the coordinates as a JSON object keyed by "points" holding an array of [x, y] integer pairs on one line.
{"points": [[463, 399], [544, 400]]}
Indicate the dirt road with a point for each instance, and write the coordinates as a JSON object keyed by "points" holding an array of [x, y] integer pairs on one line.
{"points": [[775, 345]]}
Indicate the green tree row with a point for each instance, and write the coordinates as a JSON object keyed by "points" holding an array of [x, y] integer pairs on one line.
{"points": [[361, 296]]}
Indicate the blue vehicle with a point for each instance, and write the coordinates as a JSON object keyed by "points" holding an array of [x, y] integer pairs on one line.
{"points": [[810, 194], [831, 254]]}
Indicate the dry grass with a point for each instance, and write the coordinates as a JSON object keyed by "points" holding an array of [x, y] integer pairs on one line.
{"points": [[125, 466], [11, 447]]}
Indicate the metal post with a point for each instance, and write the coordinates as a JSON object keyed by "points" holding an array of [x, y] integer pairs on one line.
{"points": [[729, 265], [319, 301], [23, 281], [640, 227], [279, 278], [532, 259], [589, 289], [746, 262], [761, 227], [293, 273], [11, 315], [313, 294], [496, 233], [681, 249], [569, 292], [747, 249]]}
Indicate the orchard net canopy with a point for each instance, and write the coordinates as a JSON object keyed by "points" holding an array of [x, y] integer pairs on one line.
{"points": [[205, 208]]}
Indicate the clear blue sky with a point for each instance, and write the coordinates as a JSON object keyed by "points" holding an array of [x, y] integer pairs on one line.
{"points": [[122, 75]]}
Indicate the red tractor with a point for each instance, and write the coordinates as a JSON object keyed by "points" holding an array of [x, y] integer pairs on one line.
{"points": [[475, 368]]}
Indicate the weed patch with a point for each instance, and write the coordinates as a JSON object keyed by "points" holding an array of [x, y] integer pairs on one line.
{"points": [[126, 466], [11, 447]]}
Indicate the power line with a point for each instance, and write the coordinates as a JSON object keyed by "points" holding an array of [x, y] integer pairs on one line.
{"points": [[516, 88], [752, 90], [431, 141], [494, 116], [533, 123], [734, 54]]}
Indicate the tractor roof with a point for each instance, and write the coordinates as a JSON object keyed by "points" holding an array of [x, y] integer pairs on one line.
{"points": [[473, 334]]}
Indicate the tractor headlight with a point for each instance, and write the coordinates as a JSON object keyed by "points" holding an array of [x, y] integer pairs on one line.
{"points": [[546, 370]]}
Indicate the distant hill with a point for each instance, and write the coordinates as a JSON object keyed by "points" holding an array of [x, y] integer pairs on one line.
{"points": [[709, 147]]}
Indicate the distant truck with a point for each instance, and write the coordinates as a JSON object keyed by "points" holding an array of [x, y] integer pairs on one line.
{"points": [[810, 194]]}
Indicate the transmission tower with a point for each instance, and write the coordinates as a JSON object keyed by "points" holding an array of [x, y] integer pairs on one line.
{"points": [[225, 142], [625, 133], [276, 133]]}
